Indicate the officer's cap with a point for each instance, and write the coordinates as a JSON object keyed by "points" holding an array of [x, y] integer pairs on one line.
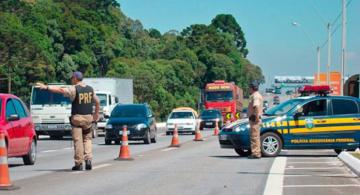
{"points": [[78, 75], [254, 84]]}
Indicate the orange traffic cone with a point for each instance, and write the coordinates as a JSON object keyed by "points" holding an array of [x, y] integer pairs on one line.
{"points": [[198, 136], [216, 130], [175, 139], [124, 153], [5, 183]]}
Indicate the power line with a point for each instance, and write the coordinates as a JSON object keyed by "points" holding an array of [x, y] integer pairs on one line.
{"points": [[333, 23]]}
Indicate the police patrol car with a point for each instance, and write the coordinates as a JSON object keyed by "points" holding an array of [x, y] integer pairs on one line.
{"points": [[307, 122]]}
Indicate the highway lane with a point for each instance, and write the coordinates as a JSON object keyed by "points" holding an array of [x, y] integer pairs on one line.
{"points": [[194, 168]]}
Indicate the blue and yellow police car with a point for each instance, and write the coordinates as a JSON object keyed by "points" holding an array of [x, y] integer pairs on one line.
{"points": [[307, 122]]}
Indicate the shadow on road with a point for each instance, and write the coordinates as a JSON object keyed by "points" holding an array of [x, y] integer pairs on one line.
{"points": [[16, 165], [56, 170], [228, 157]]}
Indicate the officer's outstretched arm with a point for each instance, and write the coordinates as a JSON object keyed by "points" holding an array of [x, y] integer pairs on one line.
{"points": [[54, 89]]}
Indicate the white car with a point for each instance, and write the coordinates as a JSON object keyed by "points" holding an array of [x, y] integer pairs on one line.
{"points": [[184, 119]]}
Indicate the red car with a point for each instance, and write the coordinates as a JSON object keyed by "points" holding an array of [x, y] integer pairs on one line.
{"points": [[17, 126]]}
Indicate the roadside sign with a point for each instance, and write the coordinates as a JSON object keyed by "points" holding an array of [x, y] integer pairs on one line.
{"points": [[228, 115]]}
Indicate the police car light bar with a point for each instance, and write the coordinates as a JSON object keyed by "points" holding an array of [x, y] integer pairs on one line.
{"points": [[319, 90]]}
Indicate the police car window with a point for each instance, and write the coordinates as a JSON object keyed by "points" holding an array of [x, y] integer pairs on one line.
{"points": [[315, 108], [344, 107], [110, 100], [20, 109], [10, 108]]}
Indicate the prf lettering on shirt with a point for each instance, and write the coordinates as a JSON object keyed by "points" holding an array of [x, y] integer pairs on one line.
{"points": [[85, 98]]}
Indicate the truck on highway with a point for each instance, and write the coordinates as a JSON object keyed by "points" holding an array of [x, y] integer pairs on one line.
{"points": [[110, 92], [50, 112], [224, 96]]}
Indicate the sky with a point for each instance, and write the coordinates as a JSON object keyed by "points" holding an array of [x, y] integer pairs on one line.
{"points": [[277, 46]]}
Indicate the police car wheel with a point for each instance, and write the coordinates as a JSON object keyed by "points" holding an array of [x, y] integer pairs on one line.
{"points": [[271, 144], [242, 152]]}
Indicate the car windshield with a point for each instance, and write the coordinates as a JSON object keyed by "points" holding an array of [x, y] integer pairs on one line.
{"points": [[129, 111], [102, 98], [181, 115], [219, 96], [284, 107], [210, 113], [41, 97]]}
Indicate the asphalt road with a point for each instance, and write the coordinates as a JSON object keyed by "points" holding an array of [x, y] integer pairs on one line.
{"points": [[194, 168]]}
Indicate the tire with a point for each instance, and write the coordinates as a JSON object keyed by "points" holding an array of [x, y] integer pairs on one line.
{"points": [[271, 144], [154, 139], [147, 137], [30, 157], [107, 142], [168, 133], [117, 142], [242, 152], [94, 131], [193, 133]]}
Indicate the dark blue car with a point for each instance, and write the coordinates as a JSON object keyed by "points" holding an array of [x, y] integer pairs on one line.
{"points": [[138, 118]]}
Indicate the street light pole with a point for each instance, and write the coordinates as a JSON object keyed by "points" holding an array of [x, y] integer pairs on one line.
{"points": [[329, 53], [318, 65], [343, 49]]}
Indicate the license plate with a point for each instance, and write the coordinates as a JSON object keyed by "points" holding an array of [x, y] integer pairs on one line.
{"points": [[52, 126], [223, 137], [121, 132], [209, 123]]}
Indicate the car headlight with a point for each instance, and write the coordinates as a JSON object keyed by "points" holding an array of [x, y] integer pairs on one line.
{"points": [[240, 128], [140, 126], [108, 126]]}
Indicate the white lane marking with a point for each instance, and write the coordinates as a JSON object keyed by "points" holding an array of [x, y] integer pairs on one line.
{"points": [[68, 148], [314, 168], [330, 162], [319, 186], [47, 151], [325, 175], [94, 167], [275, 179], [168, 149], [101, 166]]}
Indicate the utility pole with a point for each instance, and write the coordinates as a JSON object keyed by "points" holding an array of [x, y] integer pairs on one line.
{"points": [[329, 53], [343, 48], [318, 64]]}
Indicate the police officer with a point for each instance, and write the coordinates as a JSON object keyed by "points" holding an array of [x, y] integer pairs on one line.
{"points": [[255, 110], [82, 117]]}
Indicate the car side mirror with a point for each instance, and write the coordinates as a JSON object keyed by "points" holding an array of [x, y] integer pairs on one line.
{"points": [[13, 117]]}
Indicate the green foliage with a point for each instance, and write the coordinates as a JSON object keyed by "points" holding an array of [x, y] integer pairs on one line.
{"points": [[45, 40]]}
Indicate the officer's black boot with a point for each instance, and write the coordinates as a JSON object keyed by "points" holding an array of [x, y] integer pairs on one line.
{"points": [[88, 165], [77, 168]]}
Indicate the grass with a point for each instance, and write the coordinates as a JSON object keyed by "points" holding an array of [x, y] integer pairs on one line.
{"points": [[356, 154]]}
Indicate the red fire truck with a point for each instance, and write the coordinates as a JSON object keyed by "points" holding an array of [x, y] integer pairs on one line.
{"points": [[226, 97]]}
